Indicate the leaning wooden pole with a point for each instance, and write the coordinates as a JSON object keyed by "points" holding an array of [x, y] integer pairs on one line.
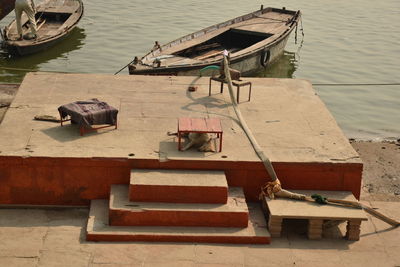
{"points": [[273, 188]]}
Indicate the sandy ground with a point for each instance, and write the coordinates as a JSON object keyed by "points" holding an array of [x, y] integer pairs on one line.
{"points": [[381, 173], [43, 237]]}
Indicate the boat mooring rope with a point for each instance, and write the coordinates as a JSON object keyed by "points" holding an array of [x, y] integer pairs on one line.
{"points": [[274, 188]]}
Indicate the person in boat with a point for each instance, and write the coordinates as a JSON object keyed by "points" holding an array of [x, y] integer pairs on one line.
{"points": [[27, 6]]}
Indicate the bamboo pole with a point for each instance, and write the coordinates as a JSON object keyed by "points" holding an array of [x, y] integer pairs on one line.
{"points": [[274, 188]]}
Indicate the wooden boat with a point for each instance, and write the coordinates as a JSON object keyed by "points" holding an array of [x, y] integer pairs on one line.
{"points": [[55, 19], [6, 6], [253, 40]]}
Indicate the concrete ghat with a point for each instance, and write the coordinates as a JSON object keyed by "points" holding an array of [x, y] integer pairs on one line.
{"points": [[43, 163]]}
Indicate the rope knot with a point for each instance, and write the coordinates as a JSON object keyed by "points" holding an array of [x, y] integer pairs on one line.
{"points": [[319, 199], [271, 188]]}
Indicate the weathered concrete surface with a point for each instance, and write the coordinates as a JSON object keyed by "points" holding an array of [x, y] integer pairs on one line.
{"points": [[178, 186], [7, 94], [57, 238], [286, 116], [43, 163], [126, 213]]}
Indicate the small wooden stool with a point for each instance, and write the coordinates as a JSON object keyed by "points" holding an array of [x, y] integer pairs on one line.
{"points": [[199, 125], [316, 214], [237, 83]]}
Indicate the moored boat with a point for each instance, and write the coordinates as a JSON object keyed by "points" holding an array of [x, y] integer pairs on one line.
{"points": [[55, 19], [254, 41]]}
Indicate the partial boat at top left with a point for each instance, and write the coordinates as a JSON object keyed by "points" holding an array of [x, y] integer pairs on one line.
{"points": [[55, 19]]}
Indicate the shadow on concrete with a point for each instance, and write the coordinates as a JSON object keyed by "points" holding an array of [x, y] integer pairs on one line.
{"points": [[294, 235], [379, 231], [168, 149], [70, 132]]}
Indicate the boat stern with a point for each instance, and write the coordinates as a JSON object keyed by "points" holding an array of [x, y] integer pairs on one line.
{"points": [[139, 68]]}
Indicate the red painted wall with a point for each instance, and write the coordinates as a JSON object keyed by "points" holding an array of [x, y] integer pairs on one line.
{"points": [[75, 181]]}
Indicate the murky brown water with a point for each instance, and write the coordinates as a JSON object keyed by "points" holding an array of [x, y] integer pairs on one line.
{"points": [[345, 42]]}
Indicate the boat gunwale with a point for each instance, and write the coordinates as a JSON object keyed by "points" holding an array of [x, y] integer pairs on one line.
{"points": [[218, 26], [293, 21], [60, 34]]}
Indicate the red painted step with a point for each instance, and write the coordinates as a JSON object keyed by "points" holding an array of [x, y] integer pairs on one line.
{"points": [[98, 229], [125, 213], [178, 186]]}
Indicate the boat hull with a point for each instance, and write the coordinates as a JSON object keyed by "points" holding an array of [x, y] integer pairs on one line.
{"points": [[27, 50], [246, 65], [22, 48], [264, 54]]}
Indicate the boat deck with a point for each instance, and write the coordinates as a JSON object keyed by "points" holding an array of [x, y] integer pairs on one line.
{"points": [[290, 122]]}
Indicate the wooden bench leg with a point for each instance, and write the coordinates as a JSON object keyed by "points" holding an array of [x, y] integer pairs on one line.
{"points": [[315, 228], [275, 226], [222, 87], [237, 94], [353, 230]]}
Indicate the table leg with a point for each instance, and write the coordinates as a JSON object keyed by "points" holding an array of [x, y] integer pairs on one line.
{"points": [[61, 119], [275, 226], [237, 94], [220, 142], [179, 141], [315, 228], [353, 230]]}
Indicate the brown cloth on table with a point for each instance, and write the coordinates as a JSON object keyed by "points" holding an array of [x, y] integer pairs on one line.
{"points": [[90, 112]]}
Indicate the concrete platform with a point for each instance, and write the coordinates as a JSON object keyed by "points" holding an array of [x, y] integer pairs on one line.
{"points": [[181, 186], [126, 213], [43, 163], [98, 229]]}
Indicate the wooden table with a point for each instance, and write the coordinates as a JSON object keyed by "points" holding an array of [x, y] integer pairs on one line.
{"points": [[88, 113], [316, 214], [199, 125]]}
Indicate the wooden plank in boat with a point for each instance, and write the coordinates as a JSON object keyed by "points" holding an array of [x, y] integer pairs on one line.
{"points": [[212, 53], [59, 9]]}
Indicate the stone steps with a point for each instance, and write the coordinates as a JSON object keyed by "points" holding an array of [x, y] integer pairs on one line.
{"points": [[178, 186], [125, 213], [177, 206], [98, 229]]}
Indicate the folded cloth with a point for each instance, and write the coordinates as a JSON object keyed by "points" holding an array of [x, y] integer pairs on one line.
{"points": [[90, 112]]}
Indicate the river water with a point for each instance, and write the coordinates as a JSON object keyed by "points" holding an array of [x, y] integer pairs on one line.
{"points": [[345, 42]]}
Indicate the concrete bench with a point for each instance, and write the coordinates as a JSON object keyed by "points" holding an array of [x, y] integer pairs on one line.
{"points": [[316, 214]]}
